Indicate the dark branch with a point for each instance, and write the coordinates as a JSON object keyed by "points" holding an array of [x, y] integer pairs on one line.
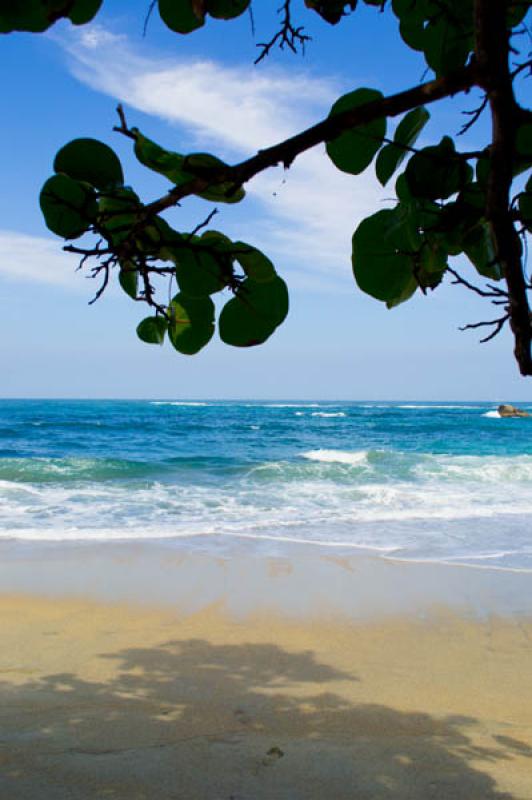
{"points": [[287, 36], [492, 56]]}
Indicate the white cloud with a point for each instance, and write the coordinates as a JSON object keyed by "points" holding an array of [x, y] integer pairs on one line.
{"points": [[308, 213], [36, 259]]}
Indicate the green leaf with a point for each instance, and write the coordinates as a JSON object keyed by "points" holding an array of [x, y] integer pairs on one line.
{"points": [[182, 16], [331, 11], [156, 158], [84, 10], [447, 45], [192, 323], [152, 329], [226, 9], [382, 260], [254, 263], [199, 273], [92, 161], [525, 205], [69, 207], [128, 280], [478, 247], [118, 213], [437, 172], [205, 165], [406, 134], [251, 316], [353, 150]]}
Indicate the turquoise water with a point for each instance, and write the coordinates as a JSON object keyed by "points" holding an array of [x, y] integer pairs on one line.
{"points": [[446, 481]]}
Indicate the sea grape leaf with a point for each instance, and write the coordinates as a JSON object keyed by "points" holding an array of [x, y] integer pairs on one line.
{"points": [[156, 158], [69, 206], [382, 257], [205, 165], [118, 213], [191, 323], [254, 263], [437, 172], [478, 247], [353, 150], [152, 329], [446, 45], [525, 205], [182, 16], [92, 161], [251, 316], [128, 280], [83, 11], [331, 11], [391, 156], [198, 272], [226, 9]]}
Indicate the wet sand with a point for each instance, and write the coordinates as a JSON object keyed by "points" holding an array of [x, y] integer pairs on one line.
{"points": [[157, 674]]}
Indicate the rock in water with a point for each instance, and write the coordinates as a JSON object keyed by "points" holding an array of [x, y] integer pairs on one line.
{"points": [[507, 410]]}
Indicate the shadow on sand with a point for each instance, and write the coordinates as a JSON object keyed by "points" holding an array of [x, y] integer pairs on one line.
{"points": [[189, 719]]}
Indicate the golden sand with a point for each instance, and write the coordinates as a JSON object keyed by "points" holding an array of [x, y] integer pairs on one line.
{"points": [[109, 700]]}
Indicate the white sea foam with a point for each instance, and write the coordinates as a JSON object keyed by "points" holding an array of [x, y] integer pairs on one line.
{"points": [[492, 415], [177, 403], [328, 414], [337, 456]]}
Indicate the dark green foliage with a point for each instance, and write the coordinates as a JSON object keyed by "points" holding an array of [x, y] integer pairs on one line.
{"points": [[152, 329], [191, 323], [354, 150], [437, 172], [128, 279], [69, 206], [382, 262], [226, 9], [445, 206], [181, 169], [92, 161], [199, 273], [331, 11], [254, 313], [36, 16], [391, 156], [182, 16]]}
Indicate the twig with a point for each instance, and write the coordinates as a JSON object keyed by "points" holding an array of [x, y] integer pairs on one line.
{"points": [[287, 35], [498, 323]]}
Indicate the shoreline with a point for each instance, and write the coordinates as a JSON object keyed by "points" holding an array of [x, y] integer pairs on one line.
{"points": [[177, 675]]}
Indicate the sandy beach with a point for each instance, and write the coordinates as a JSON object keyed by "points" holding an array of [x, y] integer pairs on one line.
{"points": [[123, 694]]}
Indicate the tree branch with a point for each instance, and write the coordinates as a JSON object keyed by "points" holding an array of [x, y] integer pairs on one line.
{"points": [[492, 56], [331, 127]]}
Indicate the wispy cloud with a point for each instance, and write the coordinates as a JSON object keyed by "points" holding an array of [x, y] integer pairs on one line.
{"points": [[307, 214], [36, 259]]}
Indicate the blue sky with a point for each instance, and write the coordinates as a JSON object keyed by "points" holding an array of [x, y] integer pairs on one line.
{"points": [[202, 92]]}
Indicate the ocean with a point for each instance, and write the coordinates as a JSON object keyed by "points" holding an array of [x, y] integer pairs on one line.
{"points": [[446, 482]]}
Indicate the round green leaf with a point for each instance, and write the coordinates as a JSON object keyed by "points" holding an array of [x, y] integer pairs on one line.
{"points": [[84, 10], [69, 207], [251, 316], [226, 9], [353, 150], [198, 272], [203, 165], [182, 16], [118, 213], [254, 263], [382, 263], [192, 323], [128, 280], [478, 246], [92, 161], [152, 329], [436, 172]]}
